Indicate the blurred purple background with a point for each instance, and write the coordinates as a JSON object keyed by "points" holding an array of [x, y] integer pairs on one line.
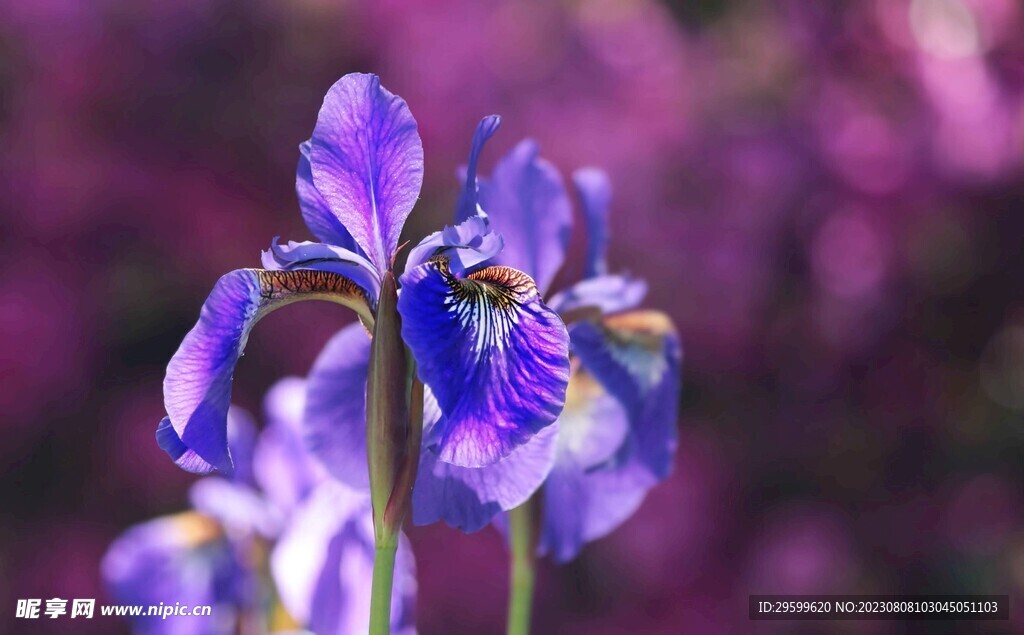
{"points": [[827, 197]]}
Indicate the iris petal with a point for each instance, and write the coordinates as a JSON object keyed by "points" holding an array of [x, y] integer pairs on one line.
{"points": [[606, 293], [197, 387], [367, 162], [526, 202], [296, 256], [468, 204], [493, 354], [595, 191], [637, 357], [183, 457], [581, 506], [284, 470], [593, 424], [324, 561], [236, 506], [586, 496], [467, 498], [468, 244], [315, 211], [235, 502], [335, 419]]}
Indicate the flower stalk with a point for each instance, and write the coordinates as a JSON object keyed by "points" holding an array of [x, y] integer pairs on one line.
{"points": [[522, 568], [380, 591], [389, 435]]}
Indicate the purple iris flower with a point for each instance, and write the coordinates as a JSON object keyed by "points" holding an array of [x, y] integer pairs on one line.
{"points": [[182, 558], [494, 356], [278, 494], [464, 496], [617, 434], [205, 556]]}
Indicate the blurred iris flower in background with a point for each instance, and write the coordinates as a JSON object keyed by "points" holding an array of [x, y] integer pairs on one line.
{"points": [[617, 434], [276, 530], [184, 558]]}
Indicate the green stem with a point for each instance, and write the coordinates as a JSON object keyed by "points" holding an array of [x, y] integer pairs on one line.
{"points": [[380, 592], [520, 596]]}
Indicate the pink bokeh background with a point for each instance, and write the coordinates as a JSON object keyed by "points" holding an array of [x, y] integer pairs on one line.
{"points": [[826, 198]]}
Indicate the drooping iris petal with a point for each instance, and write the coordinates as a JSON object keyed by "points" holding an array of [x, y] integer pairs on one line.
{"points": [[197, 387], [493, 354], [335, 419], [241, 431], [582, 506], [595, 191], [467, 498], [607, 293], [182, 558], [637, 357], [284, 469], [468, 204], [467, 245], [323, 565], [586, 497], [322, 257], [367, 162], [315, 211], [183, 457], [527, 204]]}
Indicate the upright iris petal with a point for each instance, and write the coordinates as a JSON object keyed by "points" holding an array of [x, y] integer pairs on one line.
{"points": [[526, 201], [315, 210], [367, 162], [637, 357], [611, 293], [468, 204], [468, 244], [595, 192], [197, 387], [493, 354]]}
